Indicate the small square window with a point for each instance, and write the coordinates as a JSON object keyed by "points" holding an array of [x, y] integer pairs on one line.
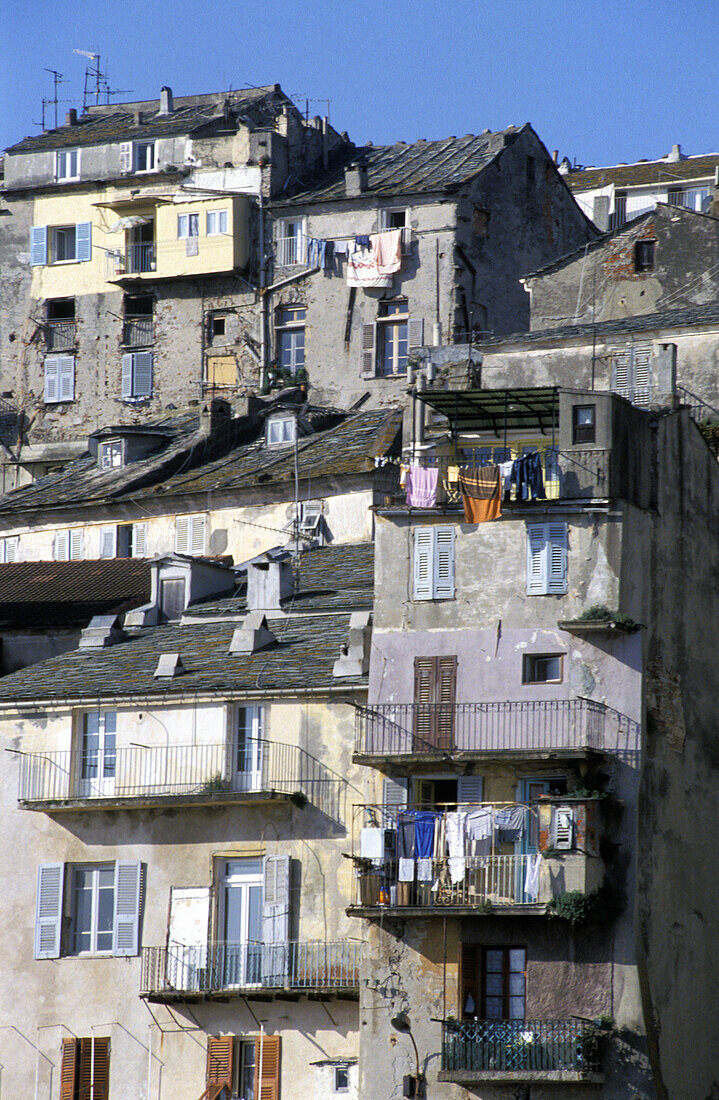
{"points": [[111, 454], [216, 222], [342, 1079], [218, 326], [584, 428], [188, 225], [542, 668], [644, 255], [281, 429]]}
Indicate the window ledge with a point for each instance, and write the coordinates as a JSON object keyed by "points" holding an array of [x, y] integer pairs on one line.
{"points": [[596, 626]]}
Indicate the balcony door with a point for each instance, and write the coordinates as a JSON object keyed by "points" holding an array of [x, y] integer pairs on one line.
{"points": [[248, 749], [435, 682], [97, 754], [141, 247], [240, 923]]}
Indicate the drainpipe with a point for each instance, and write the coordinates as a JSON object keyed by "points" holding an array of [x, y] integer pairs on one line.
{"points": [[263, 298]]}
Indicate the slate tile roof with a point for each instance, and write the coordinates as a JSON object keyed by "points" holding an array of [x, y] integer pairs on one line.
{"points": [[644, 173], [190, 466], [422, 166], [61, 595], [191, 113]]}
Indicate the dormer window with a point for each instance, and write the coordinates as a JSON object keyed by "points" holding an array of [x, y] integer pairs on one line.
{"points": [[111, 454], [280, 430], [67, 164]]}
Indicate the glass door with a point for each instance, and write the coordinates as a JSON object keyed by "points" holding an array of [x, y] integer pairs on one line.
{"points": [[240, 926], [97, 754], [248, 749]]}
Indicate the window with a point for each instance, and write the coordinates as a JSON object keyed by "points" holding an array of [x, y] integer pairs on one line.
{"points": [[69, 545], [144, 156], [137, 327], [188, 225], [632, 374], [85, 1066], [190, 534], [480, 222], [492, 982], [386, 342], [172, 598], [619, 216], [584, 428], [67, 164], [137, 374], [291, 241], [397, 218], [244, 1086], [290, 335], [59, 379], [280, 430], [644, 255], [236, 1061], [216, 326], [542, 668], [216, 222], [9, 549], [128, 540], [60, 244], [60, 324], [250, 741], [111, 453], [341, 1079], [434, 563], [98, 903], [546, 559]]}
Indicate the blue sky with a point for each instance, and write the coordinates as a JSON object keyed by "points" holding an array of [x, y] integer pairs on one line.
{"points": [[601, 82]]}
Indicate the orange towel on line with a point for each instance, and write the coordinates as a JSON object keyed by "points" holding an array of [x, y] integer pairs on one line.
{"points": [[481, 495]]}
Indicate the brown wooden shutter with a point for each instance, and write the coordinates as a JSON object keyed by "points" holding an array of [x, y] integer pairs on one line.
{"points": [[435, 684], [446, 680], [68, 1071], [425, 673], [94, 1076], [469, 985], [267, 1051], [219, 1059]]}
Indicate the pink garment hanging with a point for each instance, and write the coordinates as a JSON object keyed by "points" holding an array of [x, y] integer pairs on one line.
{"points": [[422, 486], [387, 250]]}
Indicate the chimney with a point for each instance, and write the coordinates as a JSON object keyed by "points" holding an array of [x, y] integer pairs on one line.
{"points": [[215, 417], [253, 635], [166, 107], [104, 630], [71, 117], [676, 153], [355, 180], [600, 212], [268, 583], [555, 155], [354, 654]]}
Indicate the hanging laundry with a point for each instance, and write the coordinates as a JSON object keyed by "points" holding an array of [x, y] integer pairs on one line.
{"points": [[478, 825], [505, 474], [316, 251], [531, 878], [340, 247], [372, 843], [424, 869], [405, 835], [387, 251], [450, 484], [362, 241], [527, 477], [481, 495], [362, 267], [403, 471], [455, 845], [405, 871], [424, 825], [510, 824], [422, 486]]}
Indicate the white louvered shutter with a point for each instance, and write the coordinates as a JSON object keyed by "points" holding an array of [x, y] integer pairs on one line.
{"points": [[443, 563], [38, 245], [48, 913], [126, 156], [76, 543], [536, 560], [469, 789], [108, 542], [61, 548], [275, 918], [556, 543], [139, 540], [142, 386], [642, 375], [621, 374], [11, 549], [197, 535], [127, 374], [66, 385], [83, 242], [563, 827], [394, 795], [369, 351], [52, 380], [423, 563], [126, 917], [182, 535], [415, 332]]}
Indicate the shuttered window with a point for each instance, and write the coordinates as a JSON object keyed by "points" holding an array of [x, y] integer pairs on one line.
{"points": [[68, 243], [85, 1070], [48, 912], [267, 1068], [138, 548], [220, 1050], [469, 980], [367, 363], [546, 559], [632, 374], [102, 908], [69, 545], [9, 549], [190, 534], [434, 563], [435, 680], [137, 374], [59, 379]]}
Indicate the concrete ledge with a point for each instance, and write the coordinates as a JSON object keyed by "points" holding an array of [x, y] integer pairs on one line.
{"points": [[471, 1077], [410, 912], [152, 801], [251, 993], [465, 756]]}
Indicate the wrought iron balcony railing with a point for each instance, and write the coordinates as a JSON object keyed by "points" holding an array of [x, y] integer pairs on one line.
{"points": [[135, 259], [185, 972], [60, 335], [426, 729], [291, 251], [518, 1047], [496, 881], [143, 774], [137, 332]]}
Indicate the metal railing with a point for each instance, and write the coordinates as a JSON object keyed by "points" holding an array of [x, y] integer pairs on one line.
{"points": [[291, 250], [495, 881], [163, 771], [573, 474], [512, 1045], [221, 967], [691, 198], [399, 729], [60, 335], [137, 332], [132, 260]]}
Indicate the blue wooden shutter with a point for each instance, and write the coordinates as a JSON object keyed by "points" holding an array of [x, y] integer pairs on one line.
{"points": [[423, 563], [66, 383], [52, 380], [127, 363], [556, 543], [48, 914], [83, 241], [443, 563], [38, 245], [142, 370], [536, 560], [126, 917]]}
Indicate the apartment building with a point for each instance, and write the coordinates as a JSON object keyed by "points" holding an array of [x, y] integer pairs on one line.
{"points": [[522, 867]]}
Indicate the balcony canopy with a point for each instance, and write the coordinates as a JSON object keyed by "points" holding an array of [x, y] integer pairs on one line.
{"points": [[497, 411]]}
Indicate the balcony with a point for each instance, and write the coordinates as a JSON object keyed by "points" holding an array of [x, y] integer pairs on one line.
{"points": [[187, 775], [291, 251], [254, 969], [520, 1051], [137, 332], [60, 335], [574, 474], [135, 259], [413, 732], [477, 874]]}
